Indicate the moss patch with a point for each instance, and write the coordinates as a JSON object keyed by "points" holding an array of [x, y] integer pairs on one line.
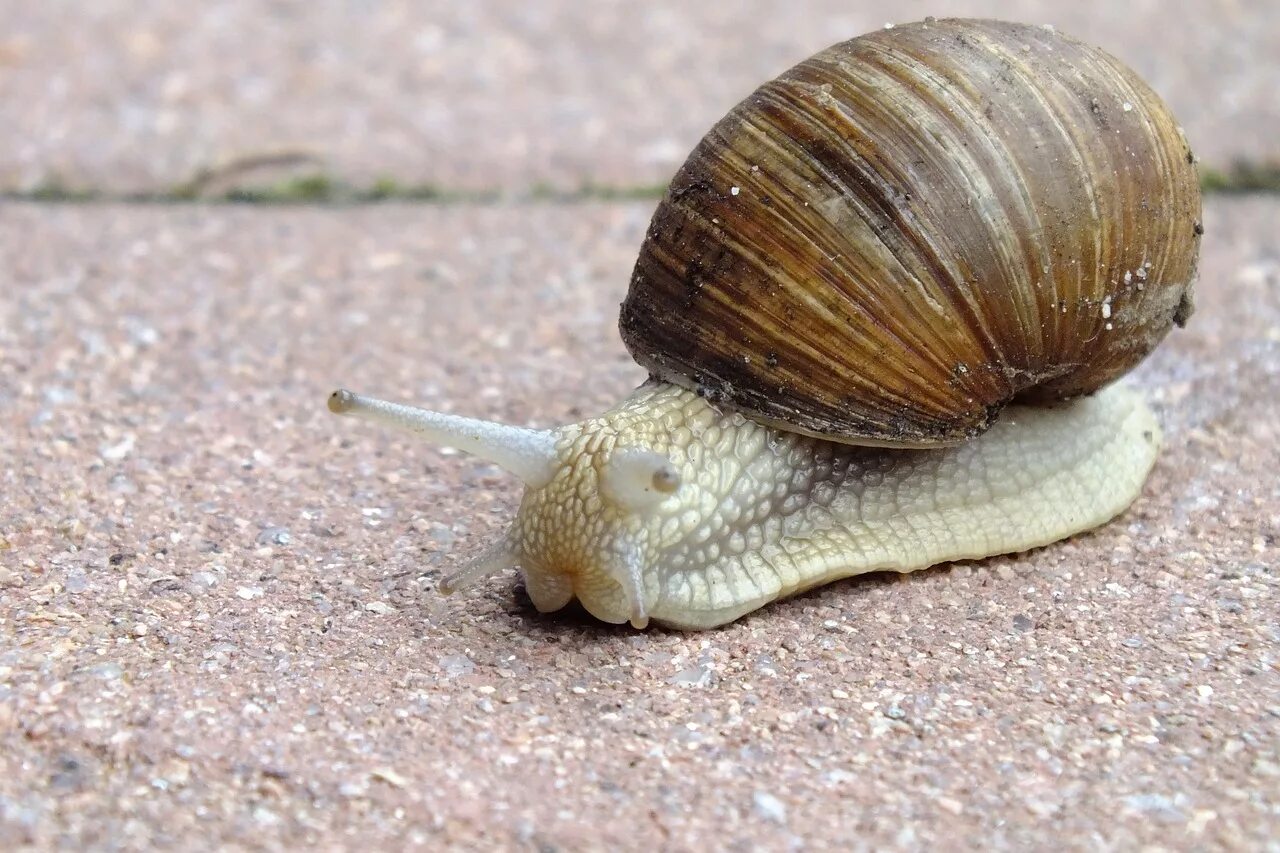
{"points": [[1242, 177], [321, 188]]}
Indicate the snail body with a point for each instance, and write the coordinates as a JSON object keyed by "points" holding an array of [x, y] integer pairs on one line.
{"points": [[941, 237]]}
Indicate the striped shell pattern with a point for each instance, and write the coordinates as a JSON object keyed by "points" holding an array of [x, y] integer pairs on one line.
{"points": [[895, 238]]}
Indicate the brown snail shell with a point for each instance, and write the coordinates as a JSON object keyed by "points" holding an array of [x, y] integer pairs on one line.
{"points": [[905, 232]]}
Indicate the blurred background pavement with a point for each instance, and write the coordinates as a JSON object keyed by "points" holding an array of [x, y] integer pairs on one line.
{"points": [[124, 95]]}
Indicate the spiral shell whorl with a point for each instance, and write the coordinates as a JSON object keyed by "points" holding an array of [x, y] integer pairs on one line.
{"points": [[898, 236]]}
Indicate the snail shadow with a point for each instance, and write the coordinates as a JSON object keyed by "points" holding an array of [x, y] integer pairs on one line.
{"points": [[570, 624]]}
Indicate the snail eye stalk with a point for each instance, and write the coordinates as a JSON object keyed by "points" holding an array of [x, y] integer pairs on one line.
{"points": [[528, 453]]}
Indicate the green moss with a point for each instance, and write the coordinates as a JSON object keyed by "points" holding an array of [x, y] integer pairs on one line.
{"points": [[312, 189], [306, 189], [384, 189], [387, 189], [1242, 177], [543, 192], [54, 191], [639, 192], [320, 188], [591, 191]]}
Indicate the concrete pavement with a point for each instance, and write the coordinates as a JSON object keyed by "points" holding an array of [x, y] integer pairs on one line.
{"points": [[219, 607]]}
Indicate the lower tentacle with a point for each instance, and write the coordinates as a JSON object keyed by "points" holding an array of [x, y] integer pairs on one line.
{"points": [[503, 554]]}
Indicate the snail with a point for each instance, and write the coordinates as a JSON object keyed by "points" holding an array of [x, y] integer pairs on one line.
{"points": [[884, 305]]}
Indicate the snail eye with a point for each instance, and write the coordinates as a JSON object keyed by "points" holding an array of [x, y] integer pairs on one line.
{"points": [[637, 479], [666, 479]]}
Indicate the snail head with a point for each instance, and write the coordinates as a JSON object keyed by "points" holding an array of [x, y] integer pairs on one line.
{"points": [[604, 499]]}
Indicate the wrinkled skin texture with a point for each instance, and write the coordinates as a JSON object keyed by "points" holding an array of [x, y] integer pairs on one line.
{"points": [[760, 514]]}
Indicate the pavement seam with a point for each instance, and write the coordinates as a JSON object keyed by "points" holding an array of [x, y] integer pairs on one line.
{"points": [[318, 187]]}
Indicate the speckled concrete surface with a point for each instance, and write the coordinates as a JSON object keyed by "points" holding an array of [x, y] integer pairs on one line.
{"points": [[218, 622], [128, 95]]}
